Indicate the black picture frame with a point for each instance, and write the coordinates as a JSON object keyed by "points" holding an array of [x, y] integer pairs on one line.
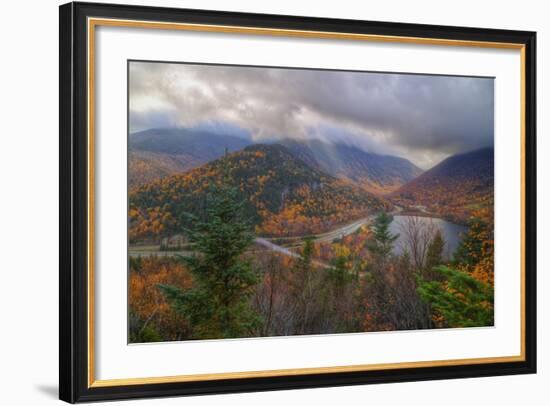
{"points": [[73, 284]]}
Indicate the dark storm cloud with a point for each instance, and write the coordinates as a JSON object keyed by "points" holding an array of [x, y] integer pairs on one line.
{"points": [[421, 117]]}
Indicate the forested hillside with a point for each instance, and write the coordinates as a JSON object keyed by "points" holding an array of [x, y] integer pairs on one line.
{"points": [[283, 195], [455, 188]]}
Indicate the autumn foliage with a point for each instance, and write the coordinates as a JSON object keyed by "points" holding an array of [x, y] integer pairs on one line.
{"points": [[455, 189], [151, 317], [283, 196], [222, 283]]}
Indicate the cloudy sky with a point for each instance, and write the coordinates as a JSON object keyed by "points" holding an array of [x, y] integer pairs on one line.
{"points": [[420, 117]]}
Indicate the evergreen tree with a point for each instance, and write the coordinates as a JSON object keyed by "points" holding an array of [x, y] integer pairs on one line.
{"points": [[460, 300], [382, 245], [434, 256], [469, 251], [306, 292], [303, 263], [218, 305], [475, 254], [377, 290], [338, 273], [341, 299]]}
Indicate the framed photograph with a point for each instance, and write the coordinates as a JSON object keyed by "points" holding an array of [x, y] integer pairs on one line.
{"points": [[257, 202]]}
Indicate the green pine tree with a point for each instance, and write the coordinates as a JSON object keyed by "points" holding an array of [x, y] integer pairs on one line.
{"points": [[460, 299], [382, 245], [434, 256], [469, 251], [304, 289], [218, 305], [303, 263], [338, 273]]}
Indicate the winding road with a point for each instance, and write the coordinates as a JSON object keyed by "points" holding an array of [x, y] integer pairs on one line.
{"points": [[285, 251], [343, 230], [329, 236]]}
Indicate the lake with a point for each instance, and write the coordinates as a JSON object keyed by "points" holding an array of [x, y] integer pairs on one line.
{"points": [[451, 232]]}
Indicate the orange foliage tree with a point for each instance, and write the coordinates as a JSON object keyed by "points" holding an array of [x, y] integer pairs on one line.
{"points": [[151, 317]]}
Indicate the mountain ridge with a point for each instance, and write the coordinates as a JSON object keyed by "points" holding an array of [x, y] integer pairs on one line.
{"points": [[283, 195], [455, 188], [156, 153], [160, 152]]}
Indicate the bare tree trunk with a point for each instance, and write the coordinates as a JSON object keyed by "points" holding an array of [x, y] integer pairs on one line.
{"points": [[418, 234]]}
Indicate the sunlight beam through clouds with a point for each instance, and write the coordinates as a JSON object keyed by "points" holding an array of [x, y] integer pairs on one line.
{"points": [[423, 118]]}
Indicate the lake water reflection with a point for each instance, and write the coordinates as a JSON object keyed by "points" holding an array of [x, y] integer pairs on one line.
{"points": [[451, 232]]}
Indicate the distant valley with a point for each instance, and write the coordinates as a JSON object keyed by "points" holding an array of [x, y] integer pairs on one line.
{"points": [[293, 187]]}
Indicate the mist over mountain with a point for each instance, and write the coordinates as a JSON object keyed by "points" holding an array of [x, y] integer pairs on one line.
{"points": [[423, 118], [156, 153], [374, 172]]}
